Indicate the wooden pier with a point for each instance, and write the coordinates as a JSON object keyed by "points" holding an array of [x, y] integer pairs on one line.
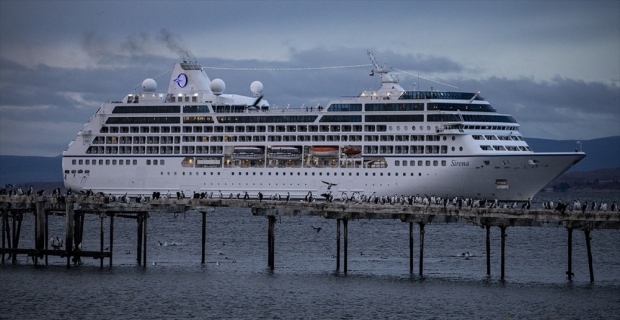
{"points": [[74, 207]]}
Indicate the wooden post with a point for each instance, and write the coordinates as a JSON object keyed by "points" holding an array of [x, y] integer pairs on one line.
{"points": [[337, 244], [139, 248], [101, 241], [410, 247], [271, 242], [204, 235], [17, 235], [12, 242], [569, 273], [69, 220], [40, 227], [144, 243], [503, 229], [111, 237], [345, 225], [488, 250], [587, 233], [4, 216], [421, 249], [46, 236]]}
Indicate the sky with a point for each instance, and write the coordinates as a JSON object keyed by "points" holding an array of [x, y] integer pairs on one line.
{"points": [[553, 65]]}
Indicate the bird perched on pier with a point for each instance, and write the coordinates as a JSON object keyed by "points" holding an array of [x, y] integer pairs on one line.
{"points": [[288, 196], [246, 196], [260, 196], [329, 184]]}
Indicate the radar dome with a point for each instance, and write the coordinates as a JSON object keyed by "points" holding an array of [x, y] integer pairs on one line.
{"points": [[256, 87], [149, 85], [218, 86]]}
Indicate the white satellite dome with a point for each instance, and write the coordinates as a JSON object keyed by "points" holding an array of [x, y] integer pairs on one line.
{"points": [[149, 85], [256, 87], [218, 86]]}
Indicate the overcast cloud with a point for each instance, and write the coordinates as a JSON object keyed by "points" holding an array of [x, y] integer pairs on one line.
{"points": [[553, 65]]}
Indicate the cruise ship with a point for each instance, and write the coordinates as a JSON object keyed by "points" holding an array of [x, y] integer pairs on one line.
{"points": [[195, 138]]}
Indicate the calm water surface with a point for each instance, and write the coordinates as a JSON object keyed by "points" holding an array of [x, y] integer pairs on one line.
{"points": [[236, 283]]}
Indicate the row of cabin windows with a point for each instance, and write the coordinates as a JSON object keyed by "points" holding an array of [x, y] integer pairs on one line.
{"points": [[381, 174], [260, 138], [156, 150], [427, 163], [505, 148], [121, 162], [429, 149], [267, 128], [493, 137]]}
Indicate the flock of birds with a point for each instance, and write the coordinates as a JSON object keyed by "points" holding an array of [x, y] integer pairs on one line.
{"points": [[328, 196]]}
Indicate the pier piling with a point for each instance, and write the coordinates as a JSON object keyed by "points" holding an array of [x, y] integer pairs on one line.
{"points": [[503, 229], [569, 273], [488, 227], [589, 248], [345, 225], [421, 248], [101, 240], [204, 235], [4, 225], [69, 220], [144, 242], [410, 247], [338, 245], [111, 237], [271, 242], [139, 244]]}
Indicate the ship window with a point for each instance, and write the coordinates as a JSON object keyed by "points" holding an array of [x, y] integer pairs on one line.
{"points": [[435, 163], [397, 163], [396, 174], [73, 161], [148, 162], [460, 148], [113, 162]]}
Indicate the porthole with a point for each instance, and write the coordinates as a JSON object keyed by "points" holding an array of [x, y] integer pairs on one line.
{"points": [[405, 128], [421, 127], [453, 138], [398, 128], [390, 128], [428, 127], [460, 148], [444, 138], [452, 148]]}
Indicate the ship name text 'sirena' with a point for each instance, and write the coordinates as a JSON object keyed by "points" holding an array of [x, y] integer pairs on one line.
{"points": [[195, 138]]}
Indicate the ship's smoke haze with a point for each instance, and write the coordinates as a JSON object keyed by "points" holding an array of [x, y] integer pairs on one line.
{"points": [[166, 37], [104, 52]]}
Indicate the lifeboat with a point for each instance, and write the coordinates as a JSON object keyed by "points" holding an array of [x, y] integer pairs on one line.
{"points": [[284, 153], [248, 153], [351, 151], [324, 152]]}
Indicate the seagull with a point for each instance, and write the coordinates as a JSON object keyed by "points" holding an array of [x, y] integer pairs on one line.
{"points": [[329, 184]]}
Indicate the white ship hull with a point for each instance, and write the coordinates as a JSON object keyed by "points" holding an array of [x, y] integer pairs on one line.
{"points": [[463, 176], [193, 138]]}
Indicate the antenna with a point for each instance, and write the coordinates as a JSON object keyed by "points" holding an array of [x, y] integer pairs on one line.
{"points": [[474, 97]]}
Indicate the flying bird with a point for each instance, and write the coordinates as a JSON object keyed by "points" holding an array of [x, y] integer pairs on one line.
{"points": [[329, 184]]}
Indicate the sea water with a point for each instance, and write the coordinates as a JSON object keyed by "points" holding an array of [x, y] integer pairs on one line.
{"points": [[235, 282]]}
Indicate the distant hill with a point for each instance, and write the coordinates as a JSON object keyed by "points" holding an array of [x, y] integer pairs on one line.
{"points": [[600, 153], [16, 169], [601, 179]]}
